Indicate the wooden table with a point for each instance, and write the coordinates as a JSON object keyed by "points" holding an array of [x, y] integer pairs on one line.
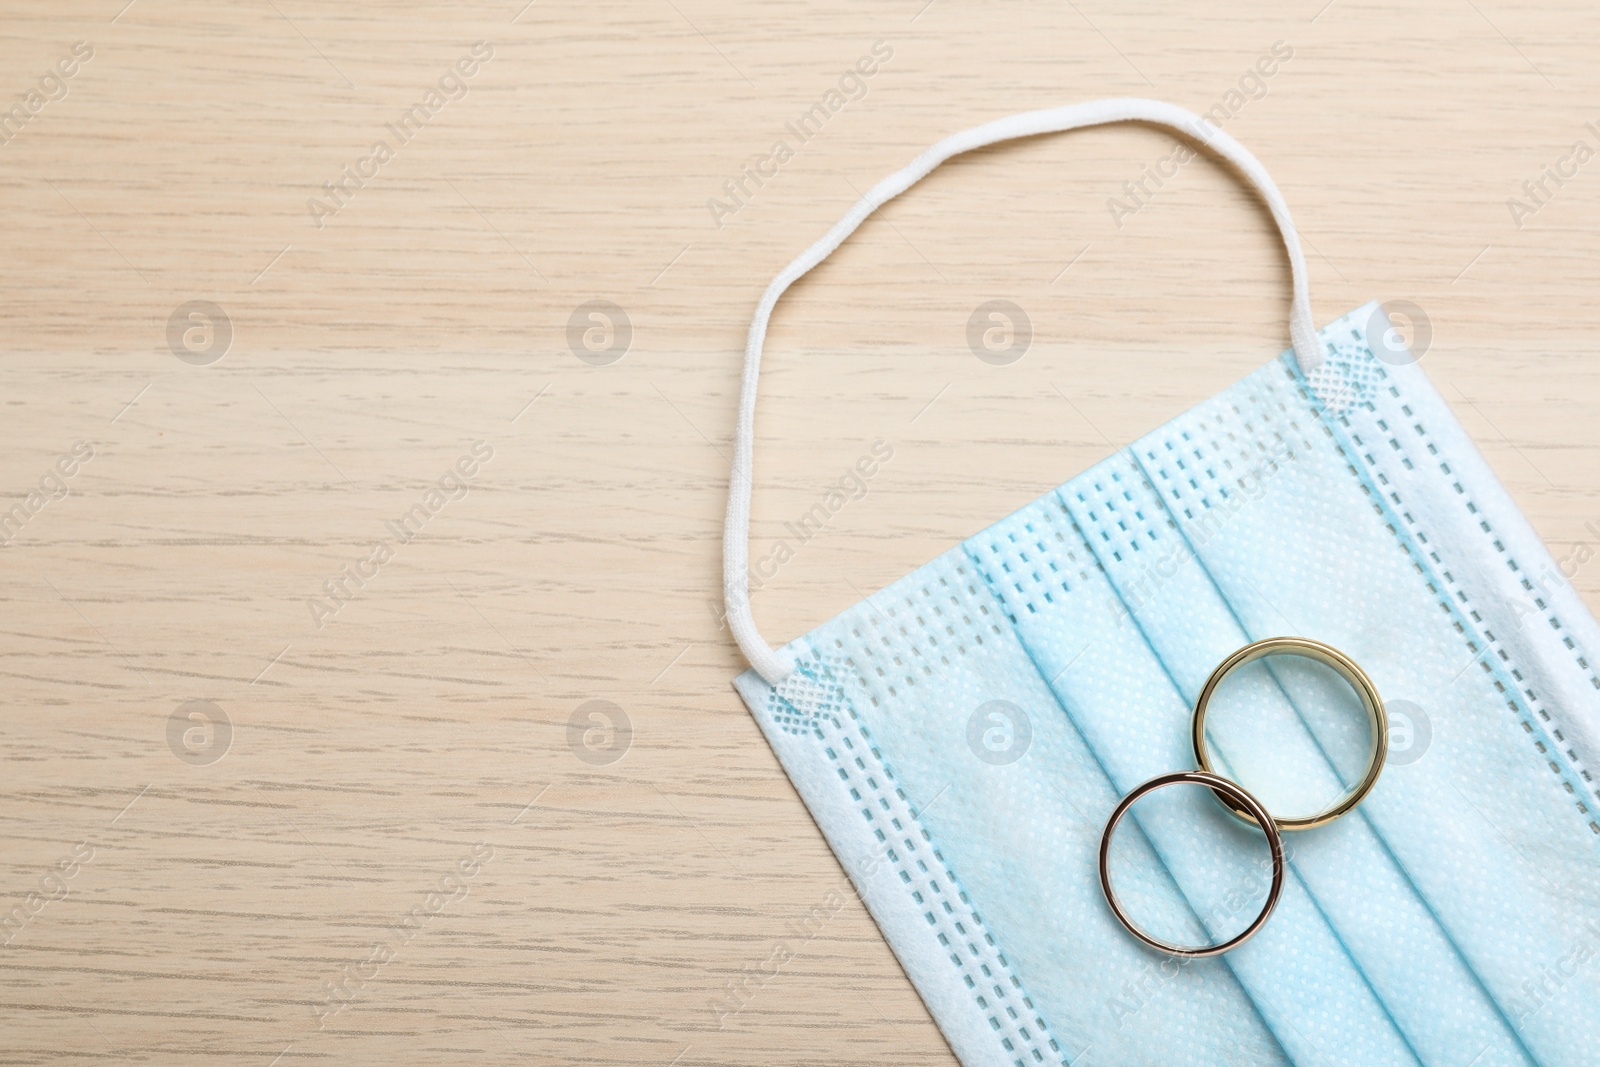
{"points": [[380, 837]]}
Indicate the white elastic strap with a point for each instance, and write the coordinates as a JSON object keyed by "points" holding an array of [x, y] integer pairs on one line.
{"points": [[773, 665]]}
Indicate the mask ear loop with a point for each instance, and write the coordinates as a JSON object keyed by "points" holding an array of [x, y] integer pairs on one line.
{"points": [[774, 665]]}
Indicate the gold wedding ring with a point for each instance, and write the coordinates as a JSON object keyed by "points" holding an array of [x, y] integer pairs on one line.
{"points": [[1377, 722], [1221, 787]]}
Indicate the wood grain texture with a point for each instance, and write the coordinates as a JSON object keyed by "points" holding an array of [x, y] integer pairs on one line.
{"points": [[598, 911]]}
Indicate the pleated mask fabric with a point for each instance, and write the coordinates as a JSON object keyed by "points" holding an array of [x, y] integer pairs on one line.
{"points": [[961, 735]]}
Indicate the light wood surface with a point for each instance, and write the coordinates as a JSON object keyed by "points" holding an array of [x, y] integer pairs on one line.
{"points": [[424, 727]]}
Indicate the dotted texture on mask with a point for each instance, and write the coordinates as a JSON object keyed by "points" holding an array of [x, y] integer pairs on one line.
{"points": [[812, 700], [1297, 970], [1384, 441], [1214, 468], [1477, 825], [916, 661], [1381, 447]]}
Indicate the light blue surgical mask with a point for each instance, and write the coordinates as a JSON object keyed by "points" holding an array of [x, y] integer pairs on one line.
{"points": [[962, 735]]}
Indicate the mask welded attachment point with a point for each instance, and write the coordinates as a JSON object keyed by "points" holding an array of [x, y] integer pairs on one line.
{"points": [[1350, 671], [1222, 787]]}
